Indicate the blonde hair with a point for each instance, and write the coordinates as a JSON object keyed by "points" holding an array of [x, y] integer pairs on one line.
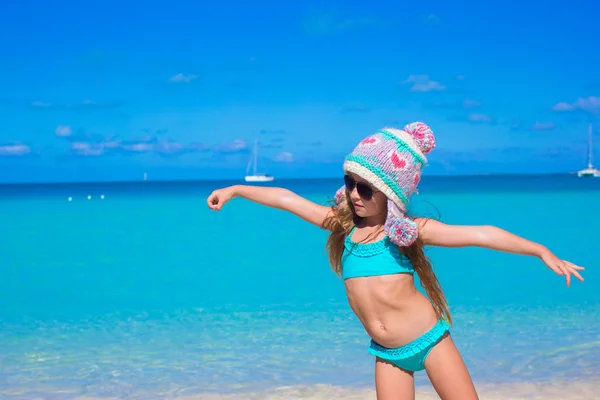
{"points": [[340, 223]]}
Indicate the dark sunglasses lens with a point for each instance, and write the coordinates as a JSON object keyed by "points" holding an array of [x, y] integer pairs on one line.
{"points": [[349, 182], [364, 191]]}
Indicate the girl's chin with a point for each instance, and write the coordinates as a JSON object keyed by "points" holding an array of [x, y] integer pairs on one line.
{"points": [[360, 211]]}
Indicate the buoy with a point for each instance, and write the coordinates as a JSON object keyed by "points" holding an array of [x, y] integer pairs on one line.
{"points": [[89, 197], [102, 197], [70, 198]]}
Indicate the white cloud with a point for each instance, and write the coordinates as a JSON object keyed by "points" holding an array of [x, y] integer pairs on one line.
{"points": [[140, 147], [432, 18], [236, 146], [170, 147], [239, 144], [94, 145], [563, 107], [87, 105], [40, 104], [589, 104], [328, 23], [284, 156], [469, 103], [64, 131], [181, 78], [480, 118], [422, 83], [543, 126], [14, 150], [87, 149], [430, 86]]}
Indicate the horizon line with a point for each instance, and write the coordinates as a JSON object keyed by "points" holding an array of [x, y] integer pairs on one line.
{"points": [[490, 174]]}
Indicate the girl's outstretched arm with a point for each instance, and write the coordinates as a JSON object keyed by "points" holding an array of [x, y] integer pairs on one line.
{"points": [[435, 233], [274, 197]]}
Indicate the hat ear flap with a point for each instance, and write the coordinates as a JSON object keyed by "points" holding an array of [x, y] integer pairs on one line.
{"points": [[340, 195], [401, 230]]}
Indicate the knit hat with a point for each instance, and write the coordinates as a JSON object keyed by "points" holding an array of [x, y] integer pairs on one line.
{"points": [[392, 160]]}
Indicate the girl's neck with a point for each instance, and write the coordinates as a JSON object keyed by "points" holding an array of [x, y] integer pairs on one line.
{"points": [[371, 222], [369, 231]]}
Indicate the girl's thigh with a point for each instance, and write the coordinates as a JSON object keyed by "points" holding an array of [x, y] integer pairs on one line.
{"points": [[448, 373], [392, 382]]}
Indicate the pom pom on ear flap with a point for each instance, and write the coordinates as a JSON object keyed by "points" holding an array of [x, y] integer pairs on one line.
{"points": [[422, 134], [401, 230]]}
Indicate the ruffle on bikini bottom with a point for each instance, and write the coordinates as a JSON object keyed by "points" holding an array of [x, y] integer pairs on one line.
{"points": [[412, 348]]}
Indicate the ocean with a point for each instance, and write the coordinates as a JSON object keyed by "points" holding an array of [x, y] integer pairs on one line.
{"points": [[142, 292]]}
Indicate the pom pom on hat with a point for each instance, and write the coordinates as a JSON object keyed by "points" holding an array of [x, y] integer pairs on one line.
{"points": [[401, 230], [422, 135]]}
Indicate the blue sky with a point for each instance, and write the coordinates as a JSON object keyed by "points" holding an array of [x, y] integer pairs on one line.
{"points": [[108, 90]]}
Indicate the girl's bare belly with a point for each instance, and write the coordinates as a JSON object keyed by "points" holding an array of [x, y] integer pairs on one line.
{"points": [[390, 308]]}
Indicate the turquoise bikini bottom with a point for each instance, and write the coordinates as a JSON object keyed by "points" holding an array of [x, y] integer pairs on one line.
{"points": [[411, 356]]}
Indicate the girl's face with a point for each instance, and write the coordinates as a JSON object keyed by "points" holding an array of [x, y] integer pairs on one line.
{"points": [[367, 201]]}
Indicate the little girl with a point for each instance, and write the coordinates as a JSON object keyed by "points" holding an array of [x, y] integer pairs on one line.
{"points": [[377, 248]]}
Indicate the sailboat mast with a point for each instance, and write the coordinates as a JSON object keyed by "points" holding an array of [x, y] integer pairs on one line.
{"points": [[250, 159], [255, 154], [590, 148]]}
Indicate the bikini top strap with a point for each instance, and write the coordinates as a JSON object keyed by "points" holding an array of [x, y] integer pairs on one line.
{"points": [[352, 231]]}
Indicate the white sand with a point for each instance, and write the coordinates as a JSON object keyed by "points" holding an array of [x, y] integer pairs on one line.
{"points": [[570, 390], [550, 390]]}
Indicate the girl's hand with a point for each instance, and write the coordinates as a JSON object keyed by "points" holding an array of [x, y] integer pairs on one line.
{"points": [[562, 267], [219, 197]]}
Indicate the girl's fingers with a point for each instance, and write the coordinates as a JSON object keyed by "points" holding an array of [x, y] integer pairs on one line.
{"points": [[213, 201], [572, 268], [570, 264], [556, 269], [564, 271], [575, 273]]}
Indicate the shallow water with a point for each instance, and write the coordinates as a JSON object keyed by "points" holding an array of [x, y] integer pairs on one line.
{"points": [[147, 294]]}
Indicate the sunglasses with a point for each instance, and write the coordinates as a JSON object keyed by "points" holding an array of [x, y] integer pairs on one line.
{"points": [[364, 191]]}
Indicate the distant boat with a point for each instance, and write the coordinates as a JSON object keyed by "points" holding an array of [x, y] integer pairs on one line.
{"points": [[256, 176], [145, 176], [590, 171]]}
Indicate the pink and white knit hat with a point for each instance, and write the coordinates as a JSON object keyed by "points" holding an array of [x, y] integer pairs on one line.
{"points": [[392, 161]]}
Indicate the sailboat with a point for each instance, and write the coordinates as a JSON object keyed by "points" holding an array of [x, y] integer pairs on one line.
{"points": [[590, 171], [256, 177]]}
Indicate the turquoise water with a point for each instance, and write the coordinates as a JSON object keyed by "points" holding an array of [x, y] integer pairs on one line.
{"points": [[148, 294]]}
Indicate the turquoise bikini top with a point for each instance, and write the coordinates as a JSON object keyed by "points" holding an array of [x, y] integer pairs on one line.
{"points": [[371, 259]]}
